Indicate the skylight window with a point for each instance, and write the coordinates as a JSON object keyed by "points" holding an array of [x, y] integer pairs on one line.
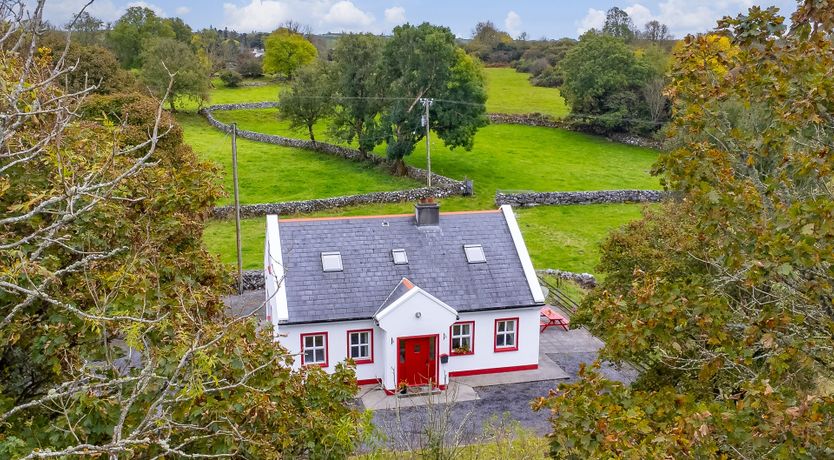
{"points": [[400, 257], [474, 253], [331, 261]]}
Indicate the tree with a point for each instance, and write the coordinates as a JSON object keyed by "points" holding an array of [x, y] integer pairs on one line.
{"points": [[286, 52], [88, 66], [603, 80], [541, 60], [165, 57], [357, 59], [655, 31], [114, 339], [182, 31], [131, 33], [618, 24], [308, 99], [424, 62], [492, 45], [85, 28], [723, 298]]}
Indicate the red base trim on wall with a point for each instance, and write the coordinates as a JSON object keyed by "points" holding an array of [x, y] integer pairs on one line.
{"points": [[494, 370], [367, 381]]}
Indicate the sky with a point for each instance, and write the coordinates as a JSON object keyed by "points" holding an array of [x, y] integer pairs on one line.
{"points": [[538, 18]]}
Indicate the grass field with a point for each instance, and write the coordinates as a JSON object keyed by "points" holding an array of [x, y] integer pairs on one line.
{"points": [[271, 173], [505, 157], [509, 91], [508, 157]]}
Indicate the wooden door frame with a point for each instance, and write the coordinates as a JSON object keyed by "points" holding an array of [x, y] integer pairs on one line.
{"points": [[434, 382]]}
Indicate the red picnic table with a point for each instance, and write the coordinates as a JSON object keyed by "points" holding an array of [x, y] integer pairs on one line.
{"points": [[551, 318]]}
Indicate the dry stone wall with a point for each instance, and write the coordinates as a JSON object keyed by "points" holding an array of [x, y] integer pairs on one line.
{"points": [[585, 280], [566, 198], [442, 186]]}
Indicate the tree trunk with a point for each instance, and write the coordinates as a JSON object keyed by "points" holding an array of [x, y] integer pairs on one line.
{"points": [[312, 136], [399, 168]]}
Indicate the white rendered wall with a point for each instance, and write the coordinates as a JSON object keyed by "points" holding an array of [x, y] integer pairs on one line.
{"points": [[434, 320], [290, 337], [400, 320], [485, 356]]}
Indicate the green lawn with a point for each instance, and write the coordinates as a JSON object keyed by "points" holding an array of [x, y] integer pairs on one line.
{"points": [[507, 157], [270, 173], [223, 95], [509, 91], [563, 237]]}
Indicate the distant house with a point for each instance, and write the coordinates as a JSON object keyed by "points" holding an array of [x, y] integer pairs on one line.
{"points": [[411, 299]]}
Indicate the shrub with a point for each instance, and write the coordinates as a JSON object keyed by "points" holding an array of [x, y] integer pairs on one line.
{"points": [[230, 78]]}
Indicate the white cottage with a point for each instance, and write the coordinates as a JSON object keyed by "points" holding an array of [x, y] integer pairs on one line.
{"points": [[411, 299]]}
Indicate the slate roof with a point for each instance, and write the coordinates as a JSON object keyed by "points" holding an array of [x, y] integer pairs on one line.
{"points": [[436, 263]]}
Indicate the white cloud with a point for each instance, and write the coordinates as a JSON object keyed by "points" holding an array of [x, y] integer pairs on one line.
{"points": [[639, 14], [594, 19], [395, 15], [513, 23], [347, 16], [682, 16], [182, 10], [321, 15]]}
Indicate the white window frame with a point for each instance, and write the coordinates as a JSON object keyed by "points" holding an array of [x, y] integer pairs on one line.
{"points": [[368, 345], [399, 252], [474, 253], [334, 257], [506, 333], [460, 336], [314, 348]]}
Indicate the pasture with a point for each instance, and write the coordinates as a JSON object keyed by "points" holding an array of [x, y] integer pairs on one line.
{"points": [[505, 157]]}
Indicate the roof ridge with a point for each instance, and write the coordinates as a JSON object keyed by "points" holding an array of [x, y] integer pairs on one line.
{"points": [[382, 216]]}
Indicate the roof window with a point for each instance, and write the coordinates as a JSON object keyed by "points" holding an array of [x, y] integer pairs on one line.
{"points": [[331, 261], [400, 257], [474, 253]]}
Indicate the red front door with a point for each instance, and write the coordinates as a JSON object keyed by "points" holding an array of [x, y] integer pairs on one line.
{"points": [[417, 360]]}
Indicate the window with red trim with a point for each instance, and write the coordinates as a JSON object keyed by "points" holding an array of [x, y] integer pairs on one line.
{"points": [[506, 334], [314, 349], [361, 346], [462, 338]]}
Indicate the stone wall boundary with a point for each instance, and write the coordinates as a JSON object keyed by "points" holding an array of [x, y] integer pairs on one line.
{"points": [[547, 121], [526, 199], [322, 147], [442, 186]]}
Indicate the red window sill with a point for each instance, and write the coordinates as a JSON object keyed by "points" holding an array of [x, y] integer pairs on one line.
{"points": [[315, 364], [503, 349], [462, 354], [363, 361]]}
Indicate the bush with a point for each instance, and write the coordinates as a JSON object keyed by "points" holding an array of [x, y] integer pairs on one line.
{"points": [[230, 78], [249, 66]]}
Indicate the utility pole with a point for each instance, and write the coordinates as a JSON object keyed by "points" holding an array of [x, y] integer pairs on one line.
{"points": [[426, 104], [237, 210]]}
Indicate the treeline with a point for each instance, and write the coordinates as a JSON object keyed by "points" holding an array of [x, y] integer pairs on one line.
{"points": [[129, 54], [612, 78]]}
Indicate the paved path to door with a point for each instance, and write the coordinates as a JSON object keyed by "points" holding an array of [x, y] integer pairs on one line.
{"points": [[466, 418]]}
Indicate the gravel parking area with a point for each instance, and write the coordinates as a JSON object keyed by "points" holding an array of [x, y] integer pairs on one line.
{"points": [[465, 420]]}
